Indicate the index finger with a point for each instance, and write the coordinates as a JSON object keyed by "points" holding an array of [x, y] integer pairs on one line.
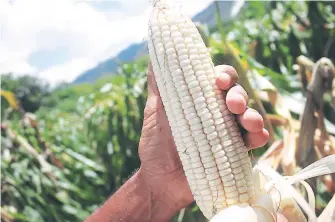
{"points": [[226, 76]]}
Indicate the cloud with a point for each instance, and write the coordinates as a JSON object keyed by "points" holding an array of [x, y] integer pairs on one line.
{"points": [[64, 72], [82, 33], [17, 67]]}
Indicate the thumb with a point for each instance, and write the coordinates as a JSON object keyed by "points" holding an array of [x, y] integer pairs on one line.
{"points": [[154, 100], [152, 86]]}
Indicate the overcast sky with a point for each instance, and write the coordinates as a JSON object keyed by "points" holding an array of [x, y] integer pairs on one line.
{"points": [[59, 39]]}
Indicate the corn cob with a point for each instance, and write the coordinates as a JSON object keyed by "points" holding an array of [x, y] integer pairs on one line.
{"points": [[212, 152]]}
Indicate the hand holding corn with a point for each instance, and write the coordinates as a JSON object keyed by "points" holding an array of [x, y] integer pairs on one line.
{"points": [[191, 147], [159, 157], [160, 189]]}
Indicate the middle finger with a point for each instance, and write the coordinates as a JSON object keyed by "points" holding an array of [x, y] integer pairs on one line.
{"points": [[237, 99]]}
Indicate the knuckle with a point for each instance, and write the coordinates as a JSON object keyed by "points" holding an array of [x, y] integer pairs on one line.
{"points": [[252, 110], [231, 71], [241, 90]]}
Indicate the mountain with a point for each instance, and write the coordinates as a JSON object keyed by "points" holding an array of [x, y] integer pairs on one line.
{"points": [[109, 66], [136, 50], [207, 16]]}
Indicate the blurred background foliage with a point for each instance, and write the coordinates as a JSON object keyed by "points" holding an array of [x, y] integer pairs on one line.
{"points": [[66, 150]]}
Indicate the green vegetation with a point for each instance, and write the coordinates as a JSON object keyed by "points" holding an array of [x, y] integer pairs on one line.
{"points": [[80, 145]]}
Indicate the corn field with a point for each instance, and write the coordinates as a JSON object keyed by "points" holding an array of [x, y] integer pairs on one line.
{"points": [[66, 151]]}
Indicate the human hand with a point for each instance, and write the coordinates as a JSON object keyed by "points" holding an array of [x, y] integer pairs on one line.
{"points": [[160, 164]]}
